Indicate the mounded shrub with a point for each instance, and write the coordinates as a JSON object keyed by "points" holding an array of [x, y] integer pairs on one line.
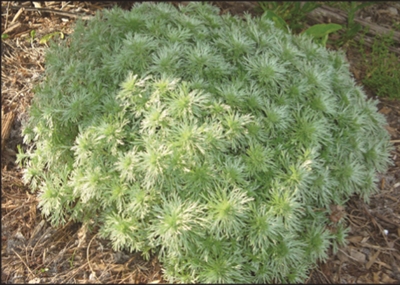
{"points": [[216, 142]]}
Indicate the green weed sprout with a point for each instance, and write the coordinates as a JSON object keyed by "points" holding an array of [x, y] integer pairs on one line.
{"points": [[211, 141]]}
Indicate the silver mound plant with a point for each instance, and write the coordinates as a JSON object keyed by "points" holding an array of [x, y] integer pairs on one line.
{"points": [[215, 142]]}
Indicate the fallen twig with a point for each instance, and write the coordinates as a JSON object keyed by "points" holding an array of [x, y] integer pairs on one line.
{"points": [[12, 28], [326, 278], [88, 258], [21, 9], [8, 10], [387, 220], [57, 12], [396, 272], [26, 265]]}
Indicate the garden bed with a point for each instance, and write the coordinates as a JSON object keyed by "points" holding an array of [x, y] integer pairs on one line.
{"points": [[34, 252]]}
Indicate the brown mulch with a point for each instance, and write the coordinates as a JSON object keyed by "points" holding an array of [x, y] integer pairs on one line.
{"points": [[33, 252]]}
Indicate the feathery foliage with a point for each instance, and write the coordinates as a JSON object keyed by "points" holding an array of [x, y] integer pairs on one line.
{"points": [[208, 140]]}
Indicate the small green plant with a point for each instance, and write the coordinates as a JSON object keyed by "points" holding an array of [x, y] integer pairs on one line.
{"points": [[48, 37], [382, 68], [278, 21], [216, 143], [71, 259], [352, 28], [41, 270], [292, 13]]}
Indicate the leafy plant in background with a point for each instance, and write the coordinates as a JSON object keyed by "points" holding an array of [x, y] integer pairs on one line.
{"points": [[216, 143], [382, 67], [320, 32], [294, 13], [352, 28]]}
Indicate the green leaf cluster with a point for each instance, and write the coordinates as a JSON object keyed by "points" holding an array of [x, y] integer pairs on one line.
{"points": [[294, 13], [209, 140], [288, 14]]}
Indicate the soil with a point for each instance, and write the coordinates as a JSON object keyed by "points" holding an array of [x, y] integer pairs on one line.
{"points": [[34, 252]]}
